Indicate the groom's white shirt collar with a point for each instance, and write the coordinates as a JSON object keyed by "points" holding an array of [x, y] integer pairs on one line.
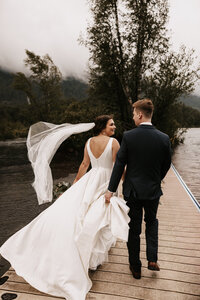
{"points": [[146, 123]]}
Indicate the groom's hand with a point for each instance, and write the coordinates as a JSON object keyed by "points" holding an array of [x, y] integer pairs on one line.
{"points": [[108, 195]]}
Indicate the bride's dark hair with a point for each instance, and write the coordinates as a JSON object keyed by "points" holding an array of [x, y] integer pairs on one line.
{"points": [[100, 123]]}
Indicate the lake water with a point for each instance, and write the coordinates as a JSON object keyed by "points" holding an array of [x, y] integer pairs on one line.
{"points": [[186, 160], [18, 202]]}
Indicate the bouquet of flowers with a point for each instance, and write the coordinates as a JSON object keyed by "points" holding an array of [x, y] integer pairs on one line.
{"points": [[59, 188]]}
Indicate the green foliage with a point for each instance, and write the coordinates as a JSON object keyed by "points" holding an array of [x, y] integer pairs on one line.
{"points": [[42, 87], [8, 95], [10, 124]]}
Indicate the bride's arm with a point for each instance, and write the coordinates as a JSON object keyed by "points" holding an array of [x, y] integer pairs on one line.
{"points": [[115, 149], [83, 166]]}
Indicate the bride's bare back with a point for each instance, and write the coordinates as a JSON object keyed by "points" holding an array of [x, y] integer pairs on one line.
{"points": [[98, 145]]}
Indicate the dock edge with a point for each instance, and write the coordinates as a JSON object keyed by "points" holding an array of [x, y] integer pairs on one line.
{"points": [[192, 197]]}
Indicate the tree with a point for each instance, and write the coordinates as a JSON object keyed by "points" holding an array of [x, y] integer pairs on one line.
{"points": [[42, 87], [108, 61], [174, 76], [146, 39], [121, 40], [130, 58]]}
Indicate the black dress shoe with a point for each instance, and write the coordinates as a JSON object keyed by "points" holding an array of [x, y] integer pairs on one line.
{"points": [[154, 266], [3, 279], [136, 275], [8, 296]]}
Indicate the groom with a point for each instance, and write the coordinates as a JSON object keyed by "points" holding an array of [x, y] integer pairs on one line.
{"points": [[146, 153]]}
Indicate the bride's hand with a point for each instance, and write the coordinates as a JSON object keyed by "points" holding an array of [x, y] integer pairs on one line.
{"points": [[108, 195]]}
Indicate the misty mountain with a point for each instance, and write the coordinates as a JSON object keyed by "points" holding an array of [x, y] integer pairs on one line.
{"points": [[72, 88], [191, 100]]}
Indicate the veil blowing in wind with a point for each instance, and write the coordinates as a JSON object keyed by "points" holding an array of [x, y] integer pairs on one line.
{"points": [[42, 142]]}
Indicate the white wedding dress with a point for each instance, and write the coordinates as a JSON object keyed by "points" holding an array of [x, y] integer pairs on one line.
{"points": [[54, 252]]}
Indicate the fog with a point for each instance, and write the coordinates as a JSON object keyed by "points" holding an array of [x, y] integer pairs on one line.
{"points": [[47, 26], [54, 26]]}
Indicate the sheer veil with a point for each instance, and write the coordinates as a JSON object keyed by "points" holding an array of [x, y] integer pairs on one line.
{"points": [[42, 142]]}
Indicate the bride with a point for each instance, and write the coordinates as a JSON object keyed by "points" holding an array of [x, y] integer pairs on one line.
{"points": [[54, 251]]}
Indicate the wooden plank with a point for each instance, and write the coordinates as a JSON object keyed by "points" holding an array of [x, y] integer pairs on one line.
{"points": [[162, 250], [178, 229], [171, 244], [175, 238], [167, 204], [21, 287], [182, 267], [139, 292], [147, 282], [24, 296], [163, 274], [183, 207], [14, 277], [180, 223], [167, 212], [189, 222], [178, 219], [184, 234], [168, 248], [188, 240], [170, 211], [165, 257], [97, 296]]}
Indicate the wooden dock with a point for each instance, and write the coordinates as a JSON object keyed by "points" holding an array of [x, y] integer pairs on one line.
{"points": [[179, 259]]}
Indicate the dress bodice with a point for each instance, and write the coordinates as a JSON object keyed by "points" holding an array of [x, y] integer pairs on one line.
{"points": [[105, 159]]}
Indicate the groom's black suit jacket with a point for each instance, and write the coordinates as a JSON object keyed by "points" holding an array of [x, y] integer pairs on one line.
{"points": [[146, 152]]}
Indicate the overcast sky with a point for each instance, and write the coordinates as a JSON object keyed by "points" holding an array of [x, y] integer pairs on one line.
{"points": [[53, 27]]}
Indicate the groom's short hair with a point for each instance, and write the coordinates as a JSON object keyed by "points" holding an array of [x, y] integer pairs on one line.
{"points": [[144, 105]]}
